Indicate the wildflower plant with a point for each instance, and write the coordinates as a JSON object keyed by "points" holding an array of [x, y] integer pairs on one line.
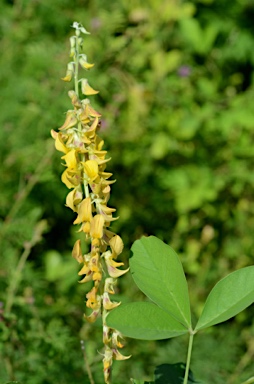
{"points": [[89, 183], [155, 266]]}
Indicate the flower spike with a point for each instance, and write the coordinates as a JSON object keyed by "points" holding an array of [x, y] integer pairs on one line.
{"points": [[85, 175]]}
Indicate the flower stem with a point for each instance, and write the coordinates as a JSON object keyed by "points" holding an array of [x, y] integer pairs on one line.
{"points": [[187, 368], [88, 369], [76, 67]]}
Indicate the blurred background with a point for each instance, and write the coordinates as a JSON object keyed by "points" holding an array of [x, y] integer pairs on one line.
{"points": [[176, 95]]}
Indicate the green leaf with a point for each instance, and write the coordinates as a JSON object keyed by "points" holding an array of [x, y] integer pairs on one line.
{"points": [[249, 381], [144, 321], [230, 296], [172, 374], [158, 272]]}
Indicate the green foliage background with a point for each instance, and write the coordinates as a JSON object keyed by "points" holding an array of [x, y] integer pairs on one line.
{"points": [[176, 94]]}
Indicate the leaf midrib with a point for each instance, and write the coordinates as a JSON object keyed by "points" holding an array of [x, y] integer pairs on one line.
{"points": [[186, 324]]}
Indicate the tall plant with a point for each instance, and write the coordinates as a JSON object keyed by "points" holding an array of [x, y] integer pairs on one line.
{"points": [[89, 183]]}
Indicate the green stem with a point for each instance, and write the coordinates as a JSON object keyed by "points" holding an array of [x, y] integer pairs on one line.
{"points": [[86, 189], [33, 180], [188, 358], [76, 68], [17, 274]]}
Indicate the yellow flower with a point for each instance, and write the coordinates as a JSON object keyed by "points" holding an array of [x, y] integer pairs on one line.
{"points": [[70, 120], [115, 336], [91, 169], [95, 267], [108, 304], [83, 62], [84, 211], [93, 299], [106, 334], [112, 264], [73, 199], [88, 277], [70, 179], [76, 252], [69, 72], [59, 143], [96, 230], [116, 244], [70, 159], [109, 285], [85, 270], [94, 315], [107, 363], [118, 356], [87, 89]]}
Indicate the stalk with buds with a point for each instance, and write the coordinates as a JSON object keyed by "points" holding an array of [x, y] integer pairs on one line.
{"points": [[89, 183]]}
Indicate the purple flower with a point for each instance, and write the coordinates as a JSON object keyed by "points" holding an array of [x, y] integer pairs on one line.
{"points": [[184, 71], [95, 23]]}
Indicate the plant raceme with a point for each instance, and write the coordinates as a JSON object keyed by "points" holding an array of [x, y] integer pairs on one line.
{"points": [[158, 272], [85, 175]]}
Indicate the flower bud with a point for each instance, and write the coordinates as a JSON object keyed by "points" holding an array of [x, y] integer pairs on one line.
{"points": [[69, 72]]}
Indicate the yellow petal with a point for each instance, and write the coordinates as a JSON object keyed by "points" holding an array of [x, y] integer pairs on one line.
{"points": [[107, 361], [106, 175], [109, 285], [99, 143], [84, 211], [84, 270], [94, 124], [107, 210], [70, 159], [86, 228], [108, 304], [114, 272], [85, 139], [115, 336], [106, 336], [88, 277], [112, 263], [59, 144], [92, 112], [66, 180], [109, 218], [94, 315], [73, 198], [93, 299], [116, 244], [85, 64], [119, 356], [97, 276], [91, 168], [106, 189], [53, 134], [70, 200], [77, 252], [68, 76], [70, 120], [87, 89], [97, 224], [69, 72], [74, 99]]}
